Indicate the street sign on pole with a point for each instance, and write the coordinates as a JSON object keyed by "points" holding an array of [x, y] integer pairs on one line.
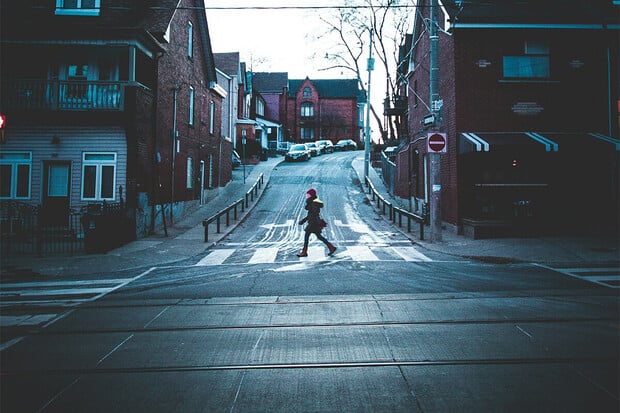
{"points": [[437, 142]]}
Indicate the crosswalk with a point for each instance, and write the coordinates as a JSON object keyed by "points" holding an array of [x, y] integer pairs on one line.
{"points": [[603, 276], [287, 254], [65, 293]]}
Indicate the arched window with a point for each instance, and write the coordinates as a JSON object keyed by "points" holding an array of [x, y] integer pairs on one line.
{"points": [[307, 110]]}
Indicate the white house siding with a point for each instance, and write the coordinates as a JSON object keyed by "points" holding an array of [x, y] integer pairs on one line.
{"points": [[72, 143]]}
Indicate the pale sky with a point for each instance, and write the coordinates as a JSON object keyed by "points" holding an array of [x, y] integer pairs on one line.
{"points": [[278, 40]]}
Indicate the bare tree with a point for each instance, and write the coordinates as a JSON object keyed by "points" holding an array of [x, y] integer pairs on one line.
{"points": [[349, 27]]}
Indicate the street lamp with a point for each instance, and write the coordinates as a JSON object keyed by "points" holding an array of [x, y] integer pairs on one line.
{"points": [[243, 134]]}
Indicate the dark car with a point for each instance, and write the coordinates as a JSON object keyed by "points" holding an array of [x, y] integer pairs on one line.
{"points": [[345, 145], [297, 152]]}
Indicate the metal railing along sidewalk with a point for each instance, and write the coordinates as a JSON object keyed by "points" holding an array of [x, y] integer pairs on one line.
{"points": [[242, 204], [394, 211]]}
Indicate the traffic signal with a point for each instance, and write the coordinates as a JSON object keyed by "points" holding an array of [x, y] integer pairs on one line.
{"points": [[2, 125]]}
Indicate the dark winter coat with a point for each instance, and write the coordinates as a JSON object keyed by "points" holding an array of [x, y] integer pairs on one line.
{"points": [[313, 206]]}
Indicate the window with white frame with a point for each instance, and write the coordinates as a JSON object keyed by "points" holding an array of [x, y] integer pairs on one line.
{"points": [[260, 107], [78, 7], [307, 93], [15, 175], [191, 105], [212, 117], [98, 176], [307, 134], [533, 64], [190, 39], [190, 174], [307, 110]]}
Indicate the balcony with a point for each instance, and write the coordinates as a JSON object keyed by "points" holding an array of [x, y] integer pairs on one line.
{"points": [[65, 95]]}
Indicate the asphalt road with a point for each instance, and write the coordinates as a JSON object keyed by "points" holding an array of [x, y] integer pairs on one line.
{"points": [[381, 326]]}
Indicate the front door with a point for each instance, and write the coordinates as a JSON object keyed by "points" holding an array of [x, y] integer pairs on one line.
{"points": [[56, 178]]}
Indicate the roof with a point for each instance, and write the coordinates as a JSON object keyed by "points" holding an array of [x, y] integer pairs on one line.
{"points": [[38, 16], [270, 82], [228, 63], [329, 88], [531, 11]]}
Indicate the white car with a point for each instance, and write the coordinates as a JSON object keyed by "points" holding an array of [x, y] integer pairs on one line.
{"points": [[297, 152], [326, 146], [314, 149]]}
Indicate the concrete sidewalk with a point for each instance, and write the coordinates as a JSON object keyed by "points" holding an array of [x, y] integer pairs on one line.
{"points": [[186, 239]]}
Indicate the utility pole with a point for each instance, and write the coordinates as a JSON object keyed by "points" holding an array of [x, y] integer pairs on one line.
{"points": [[435, 158], [371, 67], [174, 150]]}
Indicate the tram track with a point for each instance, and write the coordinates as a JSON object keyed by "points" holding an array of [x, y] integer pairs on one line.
{"points": [[319, 365]]}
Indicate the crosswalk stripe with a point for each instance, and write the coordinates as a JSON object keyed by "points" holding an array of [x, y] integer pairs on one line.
{"points": [[264, 256], [270, 255], [216, 257], [361, 253], [410, 254], [317, 252]]}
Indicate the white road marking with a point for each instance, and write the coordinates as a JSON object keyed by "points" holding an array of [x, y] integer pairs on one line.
{"points": [[216, 257], [264, 256], [607, 277], [361, 253], [410, 254]]}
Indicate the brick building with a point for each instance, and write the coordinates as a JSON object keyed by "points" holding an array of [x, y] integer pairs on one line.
{"points": [[530, 110], [323, 109], [88, 89]]}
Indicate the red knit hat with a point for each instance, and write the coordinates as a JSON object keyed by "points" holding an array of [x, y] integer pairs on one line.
{"points": [[311, 192]]}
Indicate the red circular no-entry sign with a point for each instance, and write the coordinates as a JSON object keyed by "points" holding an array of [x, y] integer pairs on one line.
{"points": [[437, 142]]}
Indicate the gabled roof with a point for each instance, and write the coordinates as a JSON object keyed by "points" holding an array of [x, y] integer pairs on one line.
{"points": [[270, 82], [228, 63], [531, 11], [329, 88]]}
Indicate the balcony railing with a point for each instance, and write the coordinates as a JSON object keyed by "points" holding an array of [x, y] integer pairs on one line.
{"points": [[39, 94]]}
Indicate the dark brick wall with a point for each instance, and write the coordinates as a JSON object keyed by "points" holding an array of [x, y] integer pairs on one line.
{"points": [[477, 98], [177, 69]]}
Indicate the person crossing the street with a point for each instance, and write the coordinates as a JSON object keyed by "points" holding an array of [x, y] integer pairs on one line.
{"points": [[315, 223]]}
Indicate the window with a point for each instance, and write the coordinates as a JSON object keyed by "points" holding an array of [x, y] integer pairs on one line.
{"points": [[307, 93], [78, 7], [190, 173], [307, 134], [260, 107], [307, 110], [98, 176], [211, 117], [533, 64], [15, 177], [191, 105], [190, 40]]}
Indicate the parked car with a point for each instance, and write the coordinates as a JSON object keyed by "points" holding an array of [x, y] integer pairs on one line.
{"points": [[236, 159], [314, 149], [297, 152], [326, 146], [345, 145]]}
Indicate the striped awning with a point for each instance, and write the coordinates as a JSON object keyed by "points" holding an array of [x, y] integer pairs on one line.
{"points": [[535, 141]]}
